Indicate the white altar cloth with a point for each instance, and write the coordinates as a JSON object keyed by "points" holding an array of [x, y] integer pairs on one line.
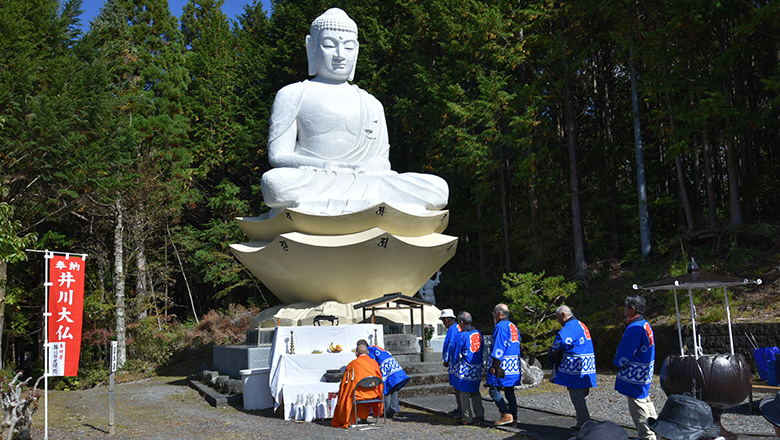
{"points": [[301, 373]]}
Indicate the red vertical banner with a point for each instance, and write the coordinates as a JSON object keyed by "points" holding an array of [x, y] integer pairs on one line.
{"points": [[66, 304]]}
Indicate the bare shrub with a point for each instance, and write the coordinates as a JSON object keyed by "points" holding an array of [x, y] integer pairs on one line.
{"points": [[224, 327], [18, 407]]}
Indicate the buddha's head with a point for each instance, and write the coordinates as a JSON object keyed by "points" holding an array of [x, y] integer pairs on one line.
{"points": [[332, 46]]}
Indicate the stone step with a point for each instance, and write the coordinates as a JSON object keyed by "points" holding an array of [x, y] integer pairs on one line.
{"points": [[214, 397], [407, 358], [431, 356], [427, 379], [423, 367], [425, 390]]}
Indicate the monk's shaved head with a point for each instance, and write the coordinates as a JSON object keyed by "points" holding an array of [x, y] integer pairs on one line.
{"points": [[361, 349]]}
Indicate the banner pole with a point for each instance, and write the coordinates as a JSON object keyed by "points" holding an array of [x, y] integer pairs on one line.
{"points": [[48, 255], [46, 314], [111, 392]]}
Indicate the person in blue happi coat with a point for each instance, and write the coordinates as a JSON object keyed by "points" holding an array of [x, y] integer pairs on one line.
{"points": [[504, 372], [451, 324], [575, 362], [393, 376], [467, 358], [635, 359]]}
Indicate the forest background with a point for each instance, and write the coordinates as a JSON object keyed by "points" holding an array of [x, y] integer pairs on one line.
{"points": [[588, 146]]}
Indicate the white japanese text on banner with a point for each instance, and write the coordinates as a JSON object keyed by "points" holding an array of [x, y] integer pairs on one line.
{"points": [[66, 303]]}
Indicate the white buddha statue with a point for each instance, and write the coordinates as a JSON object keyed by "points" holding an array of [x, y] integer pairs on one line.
{"points": [[328, 138]]}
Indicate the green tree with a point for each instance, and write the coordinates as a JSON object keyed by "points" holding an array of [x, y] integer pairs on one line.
{"points": [[533, 299], [43, 119], [136, 46], [227, 103], [211, 101], [12, 247]]}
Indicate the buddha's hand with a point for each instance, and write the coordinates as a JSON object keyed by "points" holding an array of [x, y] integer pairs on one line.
{"points": [[374, 167], [341, 167]]}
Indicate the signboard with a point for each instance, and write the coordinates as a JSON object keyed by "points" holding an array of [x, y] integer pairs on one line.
{"points": [[66, 303], [113, 356], [402, 344], [56, 359]]}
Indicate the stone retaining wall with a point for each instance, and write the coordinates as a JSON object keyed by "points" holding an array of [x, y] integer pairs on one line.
{"points": [[714, 339]]}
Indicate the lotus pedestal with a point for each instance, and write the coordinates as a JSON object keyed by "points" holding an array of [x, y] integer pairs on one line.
{"points": [[364, 255]]}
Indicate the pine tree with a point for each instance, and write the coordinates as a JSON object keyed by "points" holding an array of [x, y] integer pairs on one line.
{"points": [[225, 67], [140, 50], [42, 123]]}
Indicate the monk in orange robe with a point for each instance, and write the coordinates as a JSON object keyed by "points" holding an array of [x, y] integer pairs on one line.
{"points": [[363, 366]]}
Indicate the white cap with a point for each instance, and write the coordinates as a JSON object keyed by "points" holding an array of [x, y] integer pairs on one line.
{"points": [[447, 313]]}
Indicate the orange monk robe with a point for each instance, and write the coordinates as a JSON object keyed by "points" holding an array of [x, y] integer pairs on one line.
{"points": [[344, 413]]}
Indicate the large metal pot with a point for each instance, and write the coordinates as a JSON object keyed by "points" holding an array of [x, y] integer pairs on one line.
{"points": [[332, 376], [720, 380]]}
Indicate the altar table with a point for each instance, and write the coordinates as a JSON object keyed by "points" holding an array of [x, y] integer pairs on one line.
{"points": [[302, 372]]}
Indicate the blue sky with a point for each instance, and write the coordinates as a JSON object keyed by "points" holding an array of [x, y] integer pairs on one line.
{"points": [[232, 8]]}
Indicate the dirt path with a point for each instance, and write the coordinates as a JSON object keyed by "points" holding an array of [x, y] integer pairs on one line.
{"points": [[166, 408]]}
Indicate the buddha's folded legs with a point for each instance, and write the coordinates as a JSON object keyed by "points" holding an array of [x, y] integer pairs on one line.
{"points": [[332, 192]]}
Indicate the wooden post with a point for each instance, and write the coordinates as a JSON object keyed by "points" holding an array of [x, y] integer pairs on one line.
{"points": [[111, 388], [422, 329]]}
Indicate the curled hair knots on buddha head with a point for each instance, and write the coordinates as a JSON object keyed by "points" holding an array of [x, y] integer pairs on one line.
{"points": [[333, 19]]}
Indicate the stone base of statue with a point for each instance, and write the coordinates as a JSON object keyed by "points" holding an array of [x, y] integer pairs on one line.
{"points": [[400, 337], [346, 258]]}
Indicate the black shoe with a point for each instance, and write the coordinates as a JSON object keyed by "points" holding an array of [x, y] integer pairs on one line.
{"points": [[390, 414]]}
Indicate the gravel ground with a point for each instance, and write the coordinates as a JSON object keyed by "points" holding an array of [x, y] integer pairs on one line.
{"points": [[166, 408], [605, 403]]}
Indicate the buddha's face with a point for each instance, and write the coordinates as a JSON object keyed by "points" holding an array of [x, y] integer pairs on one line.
{"points": [[334, 55]]}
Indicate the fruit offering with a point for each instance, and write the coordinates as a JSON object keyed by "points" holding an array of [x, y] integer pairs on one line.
{"points": [[335, 348]]}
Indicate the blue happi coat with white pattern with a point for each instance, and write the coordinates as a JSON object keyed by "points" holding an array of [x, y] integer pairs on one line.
{"points": [[635, 359], [468, 360], [578, 363], [392, 372], [506, 348], [449, 340]]}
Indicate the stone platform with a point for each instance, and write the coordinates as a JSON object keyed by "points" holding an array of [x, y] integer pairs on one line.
{"points": [[256, 353], [231, 359]]}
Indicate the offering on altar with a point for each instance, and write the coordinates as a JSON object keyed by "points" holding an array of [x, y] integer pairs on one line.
{"points": [[333, 375], [332, 399], [335, 348]]}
